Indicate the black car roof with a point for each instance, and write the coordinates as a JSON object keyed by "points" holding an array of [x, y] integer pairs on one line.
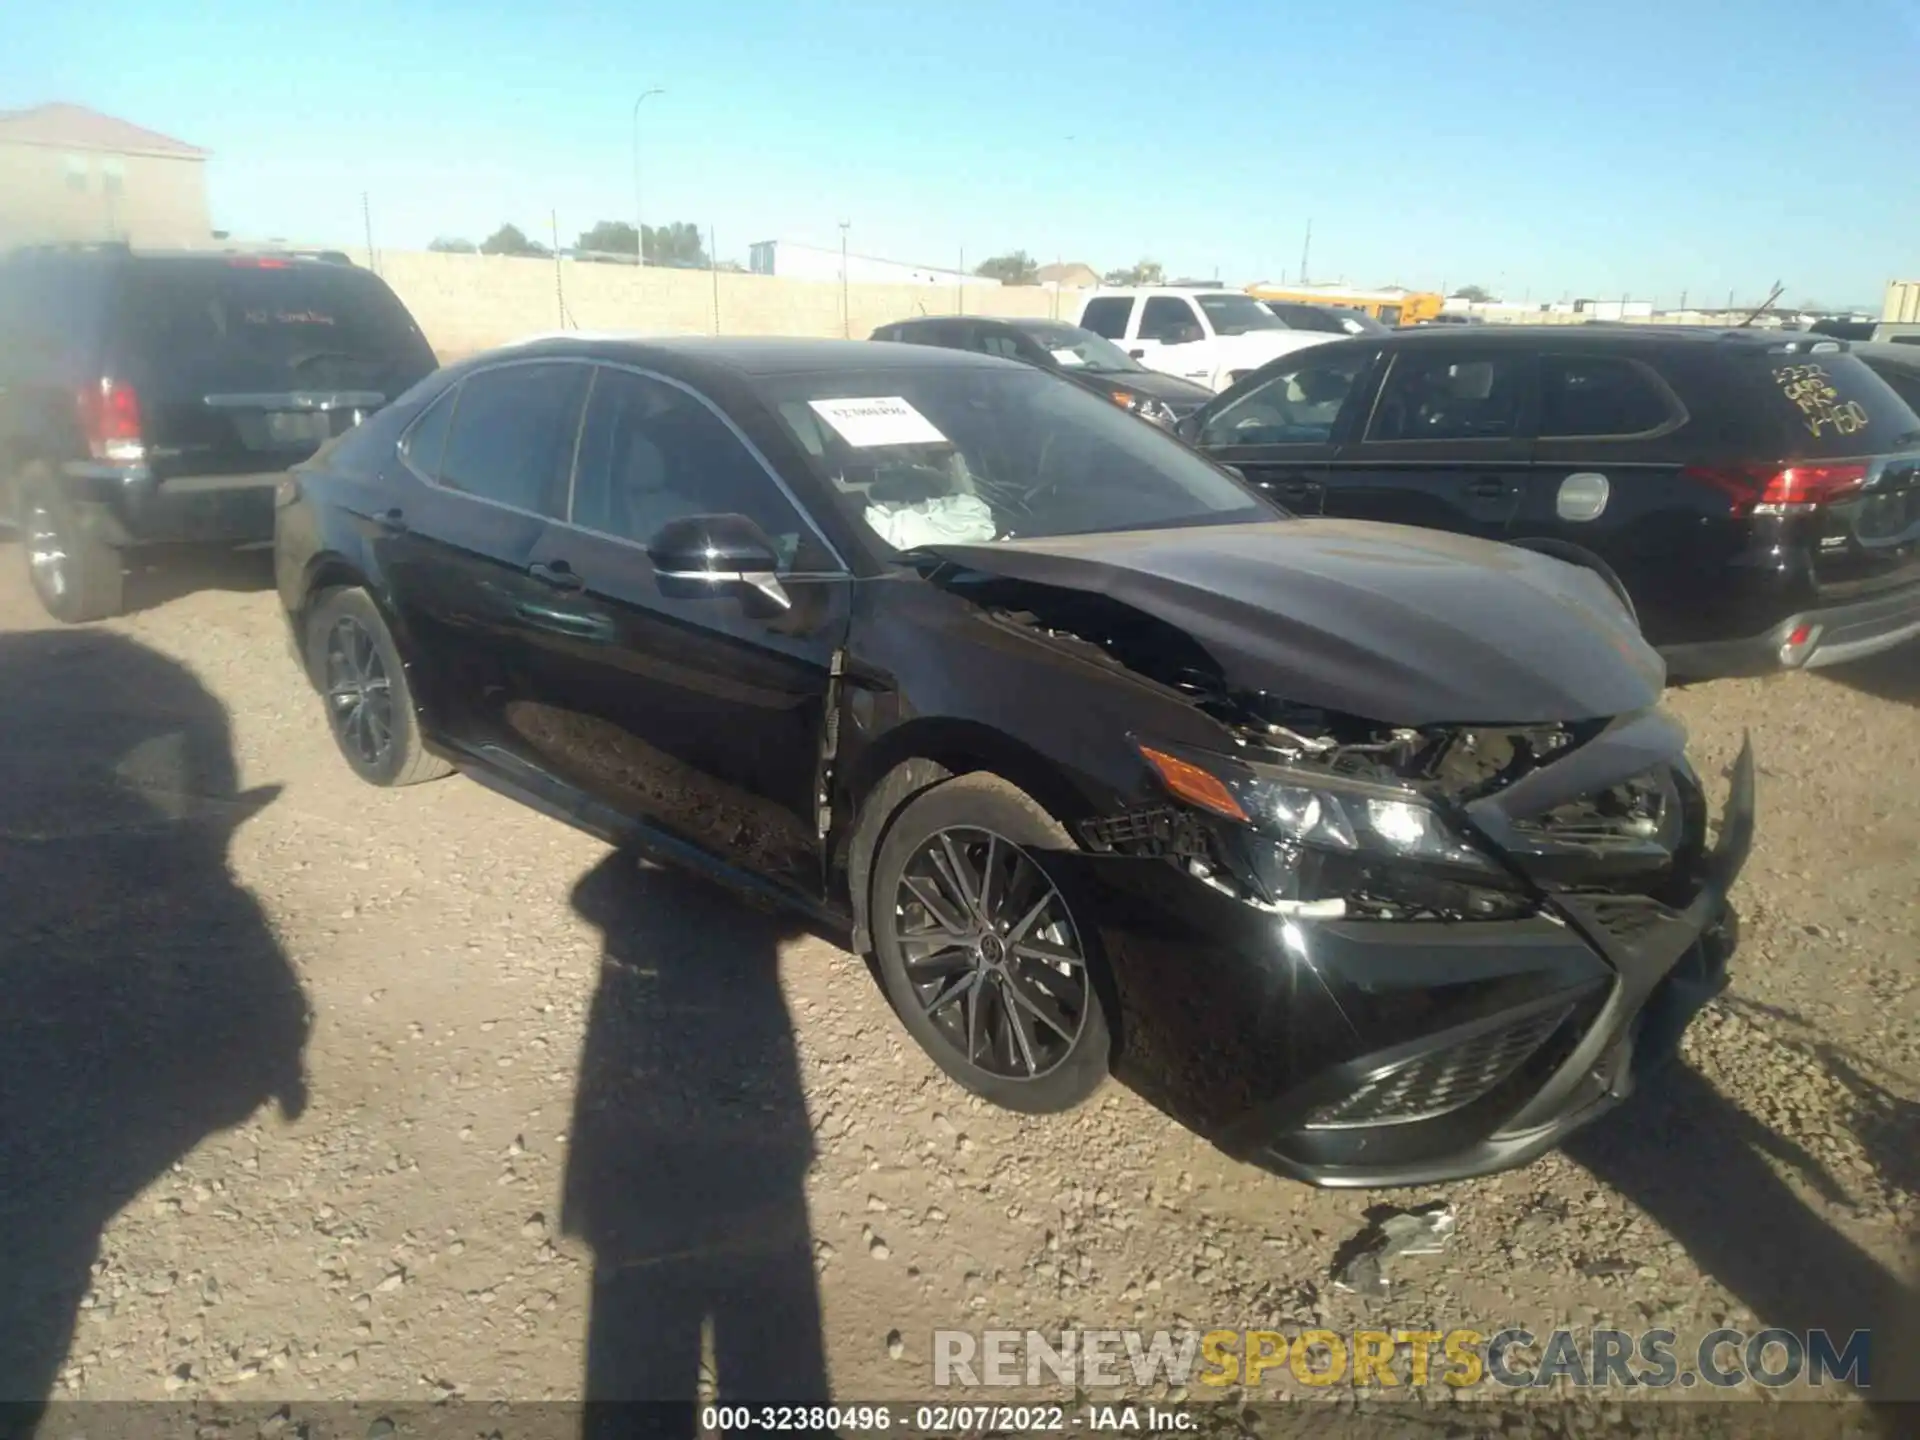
{"points": [[1585, 335], [750, 357]]}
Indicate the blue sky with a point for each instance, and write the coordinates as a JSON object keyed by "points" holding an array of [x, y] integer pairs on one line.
{"points": [[1540, 149]]}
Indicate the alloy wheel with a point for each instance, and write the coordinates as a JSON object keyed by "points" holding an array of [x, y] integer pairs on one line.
{"points": [[46, 554], [359, 692], [992, 953]]}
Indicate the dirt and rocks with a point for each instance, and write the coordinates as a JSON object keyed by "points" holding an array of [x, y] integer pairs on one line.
{"points": [[313, 1092]]}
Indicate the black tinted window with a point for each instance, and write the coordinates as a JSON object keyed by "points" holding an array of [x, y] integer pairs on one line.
{"points": [[271, 325], [513, 434], [1592, 395], [1449, 397], [1107, 316], [1834, 405], [989, 341], [1300, 404], [1170, 319], [651, 452], [1904, 383], [426, 442], [1306, 317]]}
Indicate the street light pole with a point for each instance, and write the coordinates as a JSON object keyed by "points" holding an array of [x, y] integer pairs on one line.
{"points": [[846, 314], [639, 229]]}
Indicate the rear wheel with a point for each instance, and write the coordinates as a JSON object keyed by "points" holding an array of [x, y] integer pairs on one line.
{"points": [[357, 667], [980, 948], [76, 576]]}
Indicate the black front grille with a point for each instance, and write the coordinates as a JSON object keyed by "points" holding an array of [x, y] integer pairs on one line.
{"points": [[1441, 1081]]}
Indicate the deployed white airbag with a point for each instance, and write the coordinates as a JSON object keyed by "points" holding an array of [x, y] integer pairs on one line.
{"points": [[944, 519]]}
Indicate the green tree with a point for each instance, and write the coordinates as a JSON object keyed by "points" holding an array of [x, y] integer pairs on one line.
{"points": [[1015, 268], [679, 244], [608, 237], [1147, 272], [451, 245], [1474, 294], [511, 240]]}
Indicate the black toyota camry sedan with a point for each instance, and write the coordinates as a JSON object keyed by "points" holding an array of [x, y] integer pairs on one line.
{"points": [[1366, 851]]}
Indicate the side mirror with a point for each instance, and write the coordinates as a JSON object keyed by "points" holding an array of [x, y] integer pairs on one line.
{"points": [[1188, 428], [704, 554], [1237, 473]]}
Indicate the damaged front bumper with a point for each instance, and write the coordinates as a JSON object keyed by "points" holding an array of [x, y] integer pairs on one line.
{"points": [[1363, 1053]]}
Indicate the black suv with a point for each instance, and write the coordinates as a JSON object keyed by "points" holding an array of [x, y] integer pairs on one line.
{"points": [[1755, 496], [151, 399]]}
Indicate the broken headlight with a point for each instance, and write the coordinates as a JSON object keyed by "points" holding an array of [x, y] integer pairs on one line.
{"points": [[1320, 810], [1338, 844]]}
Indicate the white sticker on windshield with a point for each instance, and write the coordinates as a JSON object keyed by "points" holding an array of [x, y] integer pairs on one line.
{"points": [[874, 420]]}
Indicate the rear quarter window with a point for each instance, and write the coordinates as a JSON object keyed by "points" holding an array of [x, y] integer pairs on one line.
{"points": [[1833, 404]]}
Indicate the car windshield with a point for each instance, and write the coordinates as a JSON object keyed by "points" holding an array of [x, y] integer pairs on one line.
{"points": [[1237, 314], [969, 455], [1075, 349]]}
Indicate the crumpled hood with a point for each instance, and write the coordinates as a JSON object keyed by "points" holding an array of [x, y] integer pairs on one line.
{"points": [[1383, 622]]}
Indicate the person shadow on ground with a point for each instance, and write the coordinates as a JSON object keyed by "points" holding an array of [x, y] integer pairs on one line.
{"points": [[688, 1156], [144, 1003], [1697, 1165]]}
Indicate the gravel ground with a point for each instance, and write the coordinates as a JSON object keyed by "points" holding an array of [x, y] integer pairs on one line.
{"points": [[311, 1091]]}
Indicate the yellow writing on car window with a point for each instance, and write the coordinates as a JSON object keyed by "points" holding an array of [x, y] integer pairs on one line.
{"points": [[1821, 408]]}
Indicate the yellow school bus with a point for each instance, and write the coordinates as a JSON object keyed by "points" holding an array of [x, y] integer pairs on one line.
{"points": [[1389, 307]]}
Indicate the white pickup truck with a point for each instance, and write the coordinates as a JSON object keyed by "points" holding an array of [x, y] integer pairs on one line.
{"points": [[1209, 336]]}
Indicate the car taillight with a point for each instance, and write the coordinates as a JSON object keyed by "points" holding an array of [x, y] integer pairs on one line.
{"points": [[1779, 489], [110, 420]]}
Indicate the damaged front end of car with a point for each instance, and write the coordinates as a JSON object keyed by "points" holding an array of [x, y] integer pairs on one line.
{"points": [[1517, 923], [1405, 953]]}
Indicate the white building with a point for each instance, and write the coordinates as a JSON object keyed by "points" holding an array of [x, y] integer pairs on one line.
{"points": [[793, 261]]}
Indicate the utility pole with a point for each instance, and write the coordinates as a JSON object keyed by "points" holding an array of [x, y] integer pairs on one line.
{"points": [[1306, 246], [713, 260], [846, 312], [960, 285], [366, 216], [639, 228]]}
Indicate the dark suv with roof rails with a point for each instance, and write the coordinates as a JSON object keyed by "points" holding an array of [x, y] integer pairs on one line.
{"points": [[153, 399], [1754, 495]]}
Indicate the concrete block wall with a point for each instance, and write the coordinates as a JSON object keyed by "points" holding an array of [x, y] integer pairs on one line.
{"points": [[467, 303]]}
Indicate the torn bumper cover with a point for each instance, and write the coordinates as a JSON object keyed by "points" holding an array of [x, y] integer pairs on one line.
{"points": [[1362, 1053]]}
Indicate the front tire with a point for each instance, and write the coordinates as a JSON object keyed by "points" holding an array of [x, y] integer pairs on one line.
{"points": [[356, 666], [76, 576], [981, 949]]}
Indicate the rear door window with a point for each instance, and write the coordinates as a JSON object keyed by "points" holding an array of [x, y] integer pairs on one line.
{"points": [[1107, 316], [1833, 404], [270, 326], [1601, 396], [512, 436]]}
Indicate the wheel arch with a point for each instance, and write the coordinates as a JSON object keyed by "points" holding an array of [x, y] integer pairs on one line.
{"points": [[332, 570], [921, 753]]}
